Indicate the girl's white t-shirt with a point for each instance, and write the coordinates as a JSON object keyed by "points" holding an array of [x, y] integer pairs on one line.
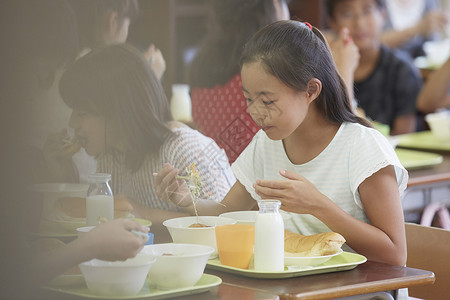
{"points": [[355, 153]]}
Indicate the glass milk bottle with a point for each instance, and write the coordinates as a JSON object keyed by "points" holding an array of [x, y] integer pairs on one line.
{"points": [[99, 200], [269, 237], [180, 103]]}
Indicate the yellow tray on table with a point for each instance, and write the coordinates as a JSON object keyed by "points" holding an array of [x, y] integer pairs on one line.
{"points": [[341, 262], [424, 140]]}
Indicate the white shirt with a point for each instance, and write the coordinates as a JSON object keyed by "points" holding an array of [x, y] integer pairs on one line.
{"points": [[355, 153]]}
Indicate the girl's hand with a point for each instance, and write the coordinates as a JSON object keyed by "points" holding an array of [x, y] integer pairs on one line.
{"points": [[156, 60], [170, 188], [114, 240], [296, 193], [57, 153]]}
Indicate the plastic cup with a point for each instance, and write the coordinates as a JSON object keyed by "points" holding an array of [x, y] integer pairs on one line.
{"points": [[235, 244]]}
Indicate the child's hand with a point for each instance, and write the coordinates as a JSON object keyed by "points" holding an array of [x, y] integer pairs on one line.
{"points": [[156, 60], [114, 240], [296, 193], [345, 52], [60, 145], [170, 188]]}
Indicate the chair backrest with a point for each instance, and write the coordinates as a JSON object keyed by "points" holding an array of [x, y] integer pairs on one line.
{"points": [[429, 249]]}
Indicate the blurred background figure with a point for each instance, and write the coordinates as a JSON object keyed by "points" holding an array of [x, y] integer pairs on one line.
{"points": [[412, 22], [386, 81], [39, 38], [219, 109], [106, 22]]}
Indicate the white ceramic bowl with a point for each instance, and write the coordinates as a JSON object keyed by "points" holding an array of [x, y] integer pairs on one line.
{"points": [[50, 192], [439, 124], [181, 232], [249, 216], [177, 265], [291, 259], [118, 278]]}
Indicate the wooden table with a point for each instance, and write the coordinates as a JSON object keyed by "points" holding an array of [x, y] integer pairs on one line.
{"points": [[432, 175], [369, 277]]}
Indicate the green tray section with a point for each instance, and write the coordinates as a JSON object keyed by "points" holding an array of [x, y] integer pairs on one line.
{"points": [[423, 140], [75, 285], [344, 261], [411, 159]]}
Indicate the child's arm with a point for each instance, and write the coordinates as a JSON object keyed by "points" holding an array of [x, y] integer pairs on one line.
{"points": [[432, 22], [168, 188], [434, 93], [382, 240]]}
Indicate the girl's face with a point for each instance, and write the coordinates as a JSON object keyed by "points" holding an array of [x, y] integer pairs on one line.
{"points": [[363, 18], [90, 131], [275, 107]]}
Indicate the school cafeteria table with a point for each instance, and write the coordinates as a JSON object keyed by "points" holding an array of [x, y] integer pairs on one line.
{"points": [[368, 277]]}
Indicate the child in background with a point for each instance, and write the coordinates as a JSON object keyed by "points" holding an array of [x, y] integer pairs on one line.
{"points": [[329, 169], [121, 116], [107, 22], [386, 83]]}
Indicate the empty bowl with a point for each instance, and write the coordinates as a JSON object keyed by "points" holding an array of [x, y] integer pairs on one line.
{"points": [[177, 265], [181, 232], [118, 278]]}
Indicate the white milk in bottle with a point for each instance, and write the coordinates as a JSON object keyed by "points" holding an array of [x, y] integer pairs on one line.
{"points": [[99, 200], [269, 237]]}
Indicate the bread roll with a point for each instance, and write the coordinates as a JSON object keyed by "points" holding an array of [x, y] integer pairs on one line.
{"points": [[75, 207], [313, 245]]}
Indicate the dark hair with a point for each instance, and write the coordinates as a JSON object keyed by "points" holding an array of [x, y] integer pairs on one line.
{"points": [[233, 22], [117, 82], [294, 53], [331, 4], [90, 16]]}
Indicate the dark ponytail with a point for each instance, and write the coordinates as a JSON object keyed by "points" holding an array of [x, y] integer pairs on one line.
{"points": [[294, 53]]}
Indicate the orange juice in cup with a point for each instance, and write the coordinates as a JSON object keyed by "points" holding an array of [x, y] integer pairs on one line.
{"points": [[235, 244]]}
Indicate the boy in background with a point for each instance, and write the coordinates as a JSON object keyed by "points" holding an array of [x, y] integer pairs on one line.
{"points": [[386, 82]]}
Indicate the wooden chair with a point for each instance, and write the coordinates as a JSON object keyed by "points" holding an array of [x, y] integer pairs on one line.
{"points": [[429, 249]]}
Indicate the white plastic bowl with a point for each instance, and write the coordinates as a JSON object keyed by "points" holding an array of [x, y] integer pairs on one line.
{"points": [[182, 268], [181, 232], [118, 278], [249, 216], [439, 124], [291, 259], [50, 192]]}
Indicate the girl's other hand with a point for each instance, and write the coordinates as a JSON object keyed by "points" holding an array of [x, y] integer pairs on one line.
{"points": [[114, 240], [296, 193], [170, 188]]}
